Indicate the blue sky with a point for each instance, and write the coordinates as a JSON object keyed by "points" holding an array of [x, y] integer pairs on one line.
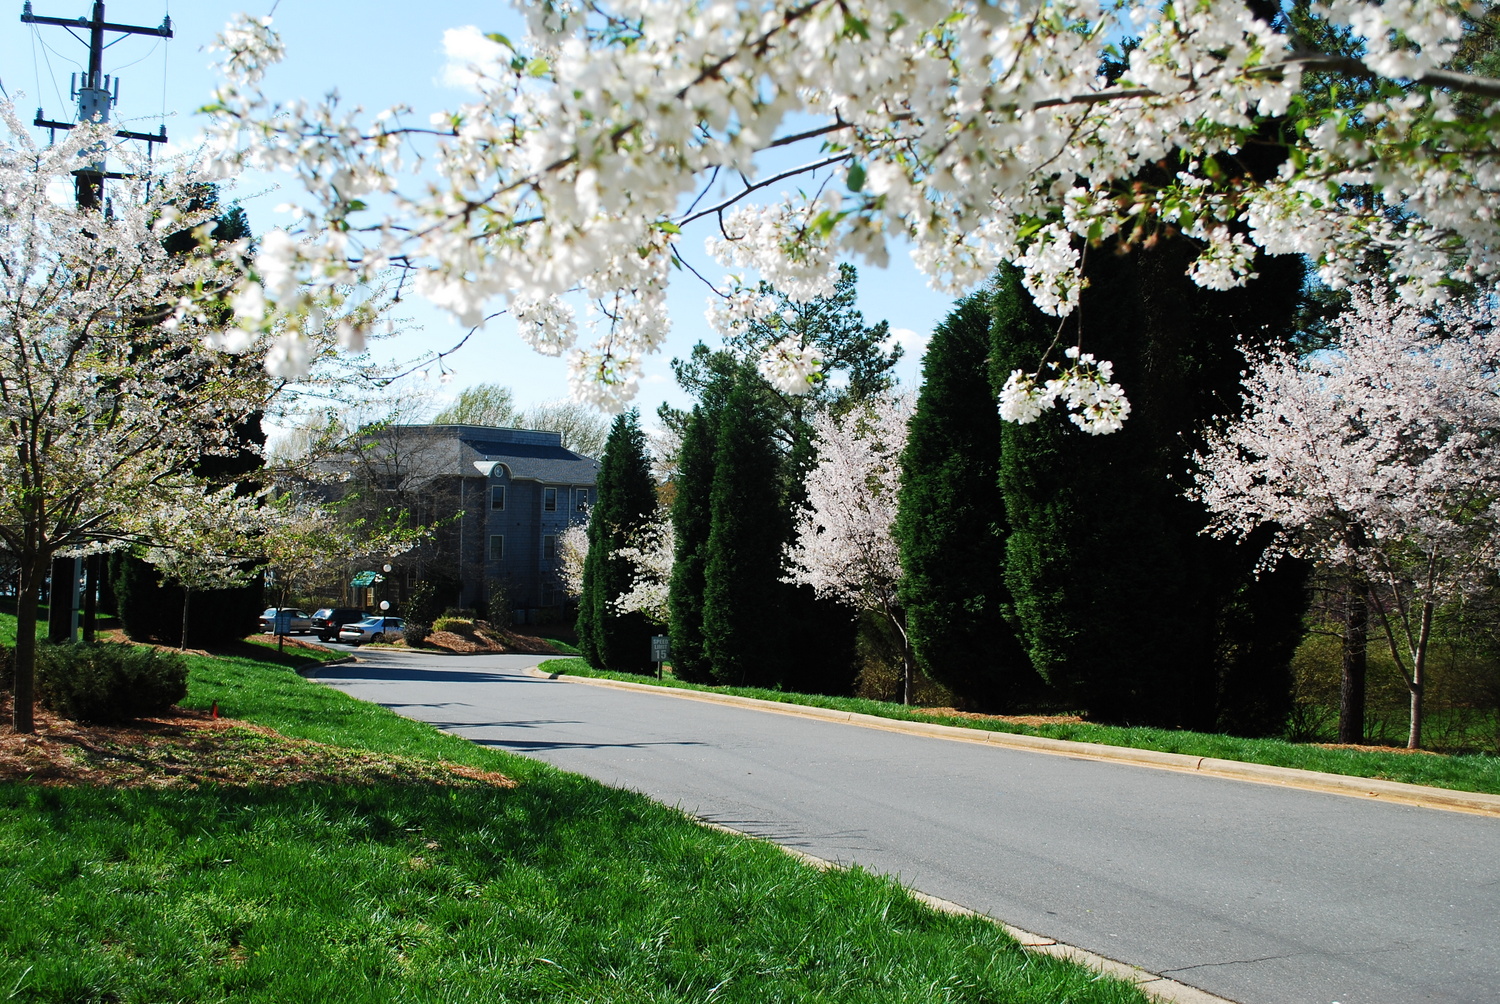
{"points": [[376, 54]]}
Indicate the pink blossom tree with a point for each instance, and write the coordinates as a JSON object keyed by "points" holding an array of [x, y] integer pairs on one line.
{"points": [[1377, 456], [844, 548]]}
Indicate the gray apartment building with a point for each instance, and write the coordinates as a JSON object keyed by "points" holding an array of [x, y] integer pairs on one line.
{"points": [[499, 498]]}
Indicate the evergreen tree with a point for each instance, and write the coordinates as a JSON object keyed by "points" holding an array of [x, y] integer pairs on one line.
{"points": [[1121, 604], [951, 522], [815, 639], [692, 520], [151, 611], [626, 502], [742, 568]]}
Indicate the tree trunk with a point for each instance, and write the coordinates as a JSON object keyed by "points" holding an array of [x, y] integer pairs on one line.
{"points": [[1418, 678], [1356, 639], [60, 601], [93, 567], [187, 598], [32, 573]]}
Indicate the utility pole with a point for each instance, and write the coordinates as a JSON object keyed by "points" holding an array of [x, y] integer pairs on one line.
{"points": [[96, 95], [97, 92]]}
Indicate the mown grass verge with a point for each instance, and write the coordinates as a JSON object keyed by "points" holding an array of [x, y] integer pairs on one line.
{"points": [[1472, 772], [558, 889]]}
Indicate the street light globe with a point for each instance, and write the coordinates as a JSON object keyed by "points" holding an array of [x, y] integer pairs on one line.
{"points": [[387, 567], [385, 604]]}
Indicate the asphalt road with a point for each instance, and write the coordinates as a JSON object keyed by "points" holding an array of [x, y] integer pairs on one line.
{"points": [[1259, 894]]}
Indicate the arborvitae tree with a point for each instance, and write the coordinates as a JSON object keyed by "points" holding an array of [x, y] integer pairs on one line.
{"points": [[951, 522], [626, 502], [692, 520], [742, 569], [1120, 602]]}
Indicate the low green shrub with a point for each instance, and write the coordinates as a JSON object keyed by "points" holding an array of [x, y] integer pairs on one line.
{"points": [[7, 670], [108, 682], [455, 624], [415, 634]]}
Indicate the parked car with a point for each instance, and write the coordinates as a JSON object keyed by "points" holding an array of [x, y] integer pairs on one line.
{"points": [[375, 628], [300, 624], [327, 621]]}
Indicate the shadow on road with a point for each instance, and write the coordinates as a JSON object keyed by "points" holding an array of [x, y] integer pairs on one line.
{"points": [[525, 746], [394, 674]]}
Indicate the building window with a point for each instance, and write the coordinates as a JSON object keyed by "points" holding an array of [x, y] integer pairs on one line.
{"points": [[581, 499], [549, 547], [497, 497], [497, 547], [549, 500]]}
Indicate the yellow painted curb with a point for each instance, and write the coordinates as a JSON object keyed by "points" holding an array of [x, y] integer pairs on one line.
{"points": [[1400, 792]]}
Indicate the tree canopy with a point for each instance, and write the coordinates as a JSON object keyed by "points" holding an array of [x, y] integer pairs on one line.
{"points": [[976, 133]]}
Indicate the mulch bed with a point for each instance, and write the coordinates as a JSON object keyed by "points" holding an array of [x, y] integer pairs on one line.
{"points": [[1374, 749], [487, 640], [189, 749]]}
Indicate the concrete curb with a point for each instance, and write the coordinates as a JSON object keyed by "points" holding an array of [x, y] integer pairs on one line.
{"points": [[1155, 986], [1399, 792]]}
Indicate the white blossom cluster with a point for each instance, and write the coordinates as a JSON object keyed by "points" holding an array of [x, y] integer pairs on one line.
{"points": [[1095, 403], [1378, 453], [651, 553], [207, 540], [974, 132], [790, 366], [572, 552], [844, 548]]}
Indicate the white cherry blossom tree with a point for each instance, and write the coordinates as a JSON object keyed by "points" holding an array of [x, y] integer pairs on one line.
{"points": [[572, 552], [651, 556], [844, 548], [209, 541], [1377, 454], [975, 132], [109, 392]]}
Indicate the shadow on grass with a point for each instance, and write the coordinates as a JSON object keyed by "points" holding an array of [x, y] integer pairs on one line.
{"points": [[560, 888]]}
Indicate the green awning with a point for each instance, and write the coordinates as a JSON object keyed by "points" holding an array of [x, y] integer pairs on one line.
{"points": [[363, 580]]}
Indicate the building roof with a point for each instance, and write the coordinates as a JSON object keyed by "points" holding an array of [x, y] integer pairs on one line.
{"points": [[535, 462]]}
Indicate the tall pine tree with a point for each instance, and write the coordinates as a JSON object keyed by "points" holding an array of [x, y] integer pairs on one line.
{"points": [[692, 520], [1121, 603], [626, 502], [742, 566], [951, 522]]}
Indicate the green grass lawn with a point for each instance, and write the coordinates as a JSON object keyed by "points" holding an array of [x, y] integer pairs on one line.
{"points": [[1473, 772], [558, 889]]}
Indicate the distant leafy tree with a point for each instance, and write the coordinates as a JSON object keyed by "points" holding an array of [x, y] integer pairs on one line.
{"points": [[482, 404], [951, 523], [580, 426], [626, 503]]}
